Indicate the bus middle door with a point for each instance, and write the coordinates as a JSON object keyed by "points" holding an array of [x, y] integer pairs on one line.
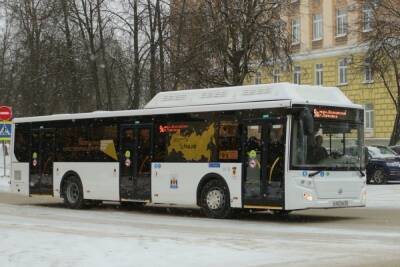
{"points": [[264, 158], [135, 162]]}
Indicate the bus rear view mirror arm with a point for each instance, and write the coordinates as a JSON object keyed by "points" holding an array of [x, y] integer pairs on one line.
{"points": [[307, 119]]}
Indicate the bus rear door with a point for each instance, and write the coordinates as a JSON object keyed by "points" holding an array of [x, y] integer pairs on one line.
{"points": [[135, 162], [41, 161]]}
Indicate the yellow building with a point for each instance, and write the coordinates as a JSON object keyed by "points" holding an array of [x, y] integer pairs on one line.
{"points": [[327, 43]]}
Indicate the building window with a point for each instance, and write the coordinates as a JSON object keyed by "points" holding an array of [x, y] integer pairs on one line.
{"points": [[317, 27], [341, 22], [257, 78], [368, 73], [319, 74], [342, 72], [367, 18], [297, 75], [295, 31], [369, 116], [276, 73]]}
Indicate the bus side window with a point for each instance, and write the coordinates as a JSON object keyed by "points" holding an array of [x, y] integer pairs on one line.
{"points": [[72, 144], [160, 145], [103, 142], [228, 141]]}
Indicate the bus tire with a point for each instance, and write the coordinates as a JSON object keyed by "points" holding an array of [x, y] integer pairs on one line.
{"points": [[73, 193], [215, 200]]}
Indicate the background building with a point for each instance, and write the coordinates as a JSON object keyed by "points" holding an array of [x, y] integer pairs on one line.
{"points": [[328, 49]]}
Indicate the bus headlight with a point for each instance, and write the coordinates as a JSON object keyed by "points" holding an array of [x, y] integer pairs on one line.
{"points": [[307, 196]]}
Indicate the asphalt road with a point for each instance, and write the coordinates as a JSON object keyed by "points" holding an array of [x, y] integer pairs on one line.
{"points": [[347, 237]]}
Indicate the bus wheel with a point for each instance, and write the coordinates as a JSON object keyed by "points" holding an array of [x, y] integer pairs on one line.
{"points": [[215, 202], [73, 193], [379, 177]]}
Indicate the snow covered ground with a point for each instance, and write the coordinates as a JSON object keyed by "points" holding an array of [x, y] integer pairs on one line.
{"points": [[37, 234], [53, 236], [384, 196]]}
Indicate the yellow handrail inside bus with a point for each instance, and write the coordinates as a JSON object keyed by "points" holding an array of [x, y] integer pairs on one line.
{"points": [[272, 169]]}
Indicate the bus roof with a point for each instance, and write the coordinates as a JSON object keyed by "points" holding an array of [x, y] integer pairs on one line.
{"points": [[297, 94], [224, 98]]}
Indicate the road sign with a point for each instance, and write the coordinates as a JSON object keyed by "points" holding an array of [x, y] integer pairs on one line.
{"points": [[5, 113], [5, 131]]}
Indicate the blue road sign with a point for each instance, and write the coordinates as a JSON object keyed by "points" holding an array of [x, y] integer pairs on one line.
{"points": [[5, 131]]}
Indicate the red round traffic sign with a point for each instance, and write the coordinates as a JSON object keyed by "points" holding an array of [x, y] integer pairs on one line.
{"points": [[5, 113]]}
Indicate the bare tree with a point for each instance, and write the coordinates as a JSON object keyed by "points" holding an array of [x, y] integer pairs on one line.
{"points": [[231, 39], [5, 46], [84, 16], [35, 34], [384, 51], [161, 26], [75, 90], [130, 70], [102, 44]]}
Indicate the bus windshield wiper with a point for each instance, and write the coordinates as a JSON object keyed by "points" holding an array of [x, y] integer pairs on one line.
{"points": [[314, 173]]}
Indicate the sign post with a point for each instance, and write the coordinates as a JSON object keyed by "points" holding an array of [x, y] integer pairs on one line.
{"points": [[5, 131]]}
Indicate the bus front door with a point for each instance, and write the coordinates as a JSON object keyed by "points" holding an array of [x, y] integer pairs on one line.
{"points": [[264, 152], [41, 162], [135, 162]]}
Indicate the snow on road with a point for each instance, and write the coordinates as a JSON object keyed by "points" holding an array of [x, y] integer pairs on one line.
{"points": [[52, 236], [384, 196], [49, 235]]}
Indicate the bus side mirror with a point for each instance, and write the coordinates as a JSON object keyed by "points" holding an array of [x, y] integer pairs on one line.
{"points": [[308, 121]]}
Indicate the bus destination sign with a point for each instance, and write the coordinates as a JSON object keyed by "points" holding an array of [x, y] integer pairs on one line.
{"points": [[326, 113], [172, 128]]}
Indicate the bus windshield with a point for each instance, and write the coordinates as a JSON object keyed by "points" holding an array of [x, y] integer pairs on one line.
{"points": [[335, 145]]}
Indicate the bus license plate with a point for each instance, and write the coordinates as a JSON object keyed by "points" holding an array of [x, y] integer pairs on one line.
{"points": [[340, 203]]}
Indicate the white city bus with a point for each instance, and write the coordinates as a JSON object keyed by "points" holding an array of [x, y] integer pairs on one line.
{"points": [[278, 147]]}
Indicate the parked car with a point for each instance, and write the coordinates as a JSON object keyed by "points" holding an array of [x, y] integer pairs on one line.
{"points": [[383, 165], [396, 149]]}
